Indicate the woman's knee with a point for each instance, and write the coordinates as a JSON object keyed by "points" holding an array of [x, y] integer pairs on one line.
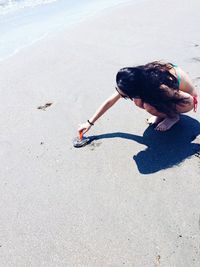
{"points": [[153, 111], [186, 107], [138, 102], [149, 108]]}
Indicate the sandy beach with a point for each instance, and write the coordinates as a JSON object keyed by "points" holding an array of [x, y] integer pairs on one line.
{"points": [[132, 196]]}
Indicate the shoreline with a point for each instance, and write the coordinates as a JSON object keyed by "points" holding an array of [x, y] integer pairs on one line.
{"points": [[56, 27]]}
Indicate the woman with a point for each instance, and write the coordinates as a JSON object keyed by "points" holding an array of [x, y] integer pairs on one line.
{"points": [[163, 89]]}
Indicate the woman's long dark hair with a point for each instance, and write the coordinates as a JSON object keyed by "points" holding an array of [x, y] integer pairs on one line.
{"points": [[154, 84]]}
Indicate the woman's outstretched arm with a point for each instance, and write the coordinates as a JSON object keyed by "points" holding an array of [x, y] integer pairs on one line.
{"points": [[107, 104]]}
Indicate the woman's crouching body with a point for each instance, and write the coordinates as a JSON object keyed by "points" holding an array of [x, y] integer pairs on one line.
{"points": [[162, 89]]}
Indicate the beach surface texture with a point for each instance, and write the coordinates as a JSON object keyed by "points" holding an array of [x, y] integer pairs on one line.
{"points": [[132, 196]]}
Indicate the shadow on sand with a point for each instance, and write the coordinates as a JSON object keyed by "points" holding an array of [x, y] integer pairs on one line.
{"points": [[164, 149]]}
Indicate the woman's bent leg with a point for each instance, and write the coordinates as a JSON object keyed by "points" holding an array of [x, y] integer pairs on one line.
{"points": [[163, 122], [157, 116]]}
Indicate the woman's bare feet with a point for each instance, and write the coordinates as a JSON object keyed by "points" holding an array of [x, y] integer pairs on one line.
{"points": [[154, 120], [167, 123]]}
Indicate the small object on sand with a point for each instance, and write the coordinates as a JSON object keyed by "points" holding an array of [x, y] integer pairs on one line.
{"points": [[45, 106], [80, 141], [197, 154]]}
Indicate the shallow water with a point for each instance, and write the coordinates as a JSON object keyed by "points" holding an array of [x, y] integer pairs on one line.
{"points": [[23, 22]]}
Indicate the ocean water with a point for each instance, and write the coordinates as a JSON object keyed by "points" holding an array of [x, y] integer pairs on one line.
{"points": [[23, 22]]}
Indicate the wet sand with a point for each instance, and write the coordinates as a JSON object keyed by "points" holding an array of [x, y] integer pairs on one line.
{"points": [[132, 196]]}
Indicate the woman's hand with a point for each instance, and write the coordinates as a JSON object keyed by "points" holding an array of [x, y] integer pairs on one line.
{"points": [[108, 103], [84, 127]]}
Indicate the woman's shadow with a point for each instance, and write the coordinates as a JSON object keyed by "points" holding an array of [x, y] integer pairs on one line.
{"points": [[164, 149]]}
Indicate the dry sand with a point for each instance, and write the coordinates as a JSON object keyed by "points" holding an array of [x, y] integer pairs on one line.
{"points": [[130, 198]]}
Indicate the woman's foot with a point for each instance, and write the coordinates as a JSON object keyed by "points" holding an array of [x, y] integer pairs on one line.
{"points": [[154, 120], [167, 123]]}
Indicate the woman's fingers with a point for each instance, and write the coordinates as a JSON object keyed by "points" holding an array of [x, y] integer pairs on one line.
{"points": [[84, 127]]}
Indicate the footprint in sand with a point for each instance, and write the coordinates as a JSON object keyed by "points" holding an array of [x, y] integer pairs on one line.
{"points": [[196, 59], [45, 106], [94, 144]]}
